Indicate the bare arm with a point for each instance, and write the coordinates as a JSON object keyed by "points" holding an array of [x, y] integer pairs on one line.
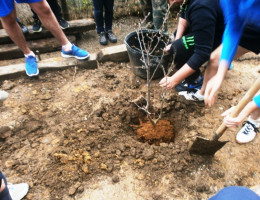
{"points": [[234, 121], [180, 75], [215, 83], [182, 27]]}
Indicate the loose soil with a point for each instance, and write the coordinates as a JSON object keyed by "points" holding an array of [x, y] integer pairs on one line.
{"points": [[71, 134]]}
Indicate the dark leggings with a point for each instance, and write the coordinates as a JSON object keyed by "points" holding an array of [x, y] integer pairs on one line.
{"points": [[4, 195], [182, 55], [55, 7], [101, 20]]}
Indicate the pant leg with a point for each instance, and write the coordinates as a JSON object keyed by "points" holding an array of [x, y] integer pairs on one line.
{"points": [[146, 8], [4, 195], [109, 10], [98, 15], [55, 7], [183, 52], [159, 12]]}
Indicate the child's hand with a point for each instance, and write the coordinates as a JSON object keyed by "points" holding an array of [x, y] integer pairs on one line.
{"points": [[167, 83], [167, 48], [231, 121], [212, 88], [215, 83], [171, 2]]}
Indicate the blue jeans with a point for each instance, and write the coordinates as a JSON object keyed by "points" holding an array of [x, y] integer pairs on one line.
{"points": [[4, 195], [100, 19]]}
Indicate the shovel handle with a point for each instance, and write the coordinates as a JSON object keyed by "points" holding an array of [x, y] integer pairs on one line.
{"points": [[240, 106]]}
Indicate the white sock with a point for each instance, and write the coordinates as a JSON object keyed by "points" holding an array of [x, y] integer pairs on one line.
{"points": [[30, 54], [256, 122], [67, 47]]}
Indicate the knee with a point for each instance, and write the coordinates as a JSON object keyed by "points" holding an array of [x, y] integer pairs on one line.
{"points": [[44, 11], [98, 12], [109, 10]]}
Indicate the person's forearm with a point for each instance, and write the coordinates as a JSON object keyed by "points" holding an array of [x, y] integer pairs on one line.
{"points": [[182, 26], [182, 73], [222, 70], [250, 107]]}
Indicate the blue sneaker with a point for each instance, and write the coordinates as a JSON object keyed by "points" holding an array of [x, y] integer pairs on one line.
{"points": [[75, 52], [187, 86], [31, 66]]}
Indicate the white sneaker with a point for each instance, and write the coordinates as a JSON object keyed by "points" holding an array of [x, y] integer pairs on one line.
{"points": [[192, 95], [18, 191], [3, 95], [247, 133]]}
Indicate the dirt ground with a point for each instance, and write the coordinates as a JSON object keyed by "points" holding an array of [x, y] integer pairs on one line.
{"points": [[71, 134]]}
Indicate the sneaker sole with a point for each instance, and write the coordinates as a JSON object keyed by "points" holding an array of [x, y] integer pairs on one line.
{"points": [[64, 27], [32, 75], [113, 41], [40, 30], [194, 98], [243, 142], [70, 56]]}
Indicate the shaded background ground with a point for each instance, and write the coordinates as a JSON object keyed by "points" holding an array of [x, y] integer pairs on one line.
{"points": [[69, 134]]}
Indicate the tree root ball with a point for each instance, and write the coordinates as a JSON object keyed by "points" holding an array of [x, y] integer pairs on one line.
{"points": [[161, 132]]}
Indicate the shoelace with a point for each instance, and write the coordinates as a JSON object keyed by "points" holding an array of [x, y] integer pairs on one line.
{"points": [[249, 128]]}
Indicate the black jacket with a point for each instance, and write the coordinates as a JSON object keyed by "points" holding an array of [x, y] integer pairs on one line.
{"points": [[206, 22]]}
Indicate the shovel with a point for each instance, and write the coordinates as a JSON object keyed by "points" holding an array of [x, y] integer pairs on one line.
{"points": [[204, 146]]}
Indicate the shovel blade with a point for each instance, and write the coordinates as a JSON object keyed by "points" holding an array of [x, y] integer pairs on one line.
{"points": [[207, 147]]}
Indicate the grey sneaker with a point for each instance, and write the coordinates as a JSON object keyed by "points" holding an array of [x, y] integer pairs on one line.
{"points": [[3, 95], [102, 38], [63, 23], [111, 36]]}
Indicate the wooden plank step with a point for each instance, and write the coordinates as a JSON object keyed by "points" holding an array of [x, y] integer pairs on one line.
{"points": [[56, 63], [76, 27], [11, 51]]}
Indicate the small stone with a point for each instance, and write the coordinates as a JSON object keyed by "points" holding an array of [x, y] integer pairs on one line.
{"points": [[164, 145], [4, 129], [72, 191], [118, 152], [9, 163], [133, 151], [115, 179], [80, 189], [110, 168], [148, 154], [103, 166], [8, 85], [140, 177], [121, 147], [85, 169], [97, 154]]}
